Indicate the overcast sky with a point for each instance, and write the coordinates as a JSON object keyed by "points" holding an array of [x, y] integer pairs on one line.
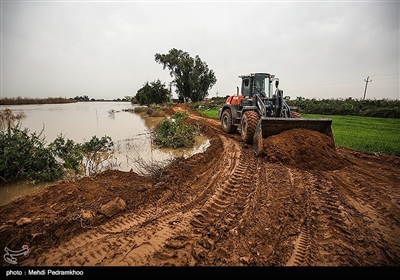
{"points": [[105, 49]]}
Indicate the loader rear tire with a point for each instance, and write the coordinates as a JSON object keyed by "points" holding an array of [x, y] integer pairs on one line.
{"points": [[248, 126], [226, 122]]}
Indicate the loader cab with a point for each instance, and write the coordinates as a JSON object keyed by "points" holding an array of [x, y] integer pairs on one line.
{"points": [[257, 83]]}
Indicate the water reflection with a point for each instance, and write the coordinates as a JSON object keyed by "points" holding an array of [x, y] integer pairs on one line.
{"points": [[80, 121], [152, 122], [200, 145]]}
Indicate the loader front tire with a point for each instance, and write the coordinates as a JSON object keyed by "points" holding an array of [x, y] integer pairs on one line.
{"points": [[226, 122], [248, 126]]}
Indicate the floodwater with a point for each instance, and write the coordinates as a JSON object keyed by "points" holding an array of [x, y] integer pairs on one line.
{"points": [[129, 132]]}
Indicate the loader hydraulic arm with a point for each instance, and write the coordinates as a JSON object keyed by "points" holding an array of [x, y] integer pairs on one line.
{"points": [[261, 106], [278, 103]]}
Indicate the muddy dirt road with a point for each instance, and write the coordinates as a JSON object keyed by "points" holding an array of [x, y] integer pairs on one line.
{"points": [[304, 202]]}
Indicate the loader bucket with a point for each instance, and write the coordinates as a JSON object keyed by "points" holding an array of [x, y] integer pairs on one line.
{"points": [[272, 126]]}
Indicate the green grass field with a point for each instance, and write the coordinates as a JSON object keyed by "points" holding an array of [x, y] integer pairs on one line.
{"points": [[212, 113], [366, 134], [369, 134]]}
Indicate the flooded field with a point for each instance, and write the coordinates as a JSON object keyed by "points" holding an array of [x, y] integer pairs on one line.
{"points": [[129, 132]]}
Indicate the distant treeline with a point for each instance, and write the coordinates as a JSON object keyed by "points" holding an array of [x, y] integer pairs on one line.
{"points": [[24, 100], [383, 108]]}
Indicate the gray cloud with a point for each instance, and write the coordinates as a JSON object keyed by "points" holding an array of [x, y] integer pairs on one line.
{"points": [[106, 49]]}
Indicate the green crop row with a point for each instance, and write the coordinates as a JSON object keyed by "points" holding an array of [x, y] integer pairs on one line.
{"points": [[366, 134]]}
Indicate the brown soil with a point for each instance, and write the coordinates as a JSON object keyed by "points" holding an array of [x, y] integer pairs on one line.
{"points": [[305, 202]]}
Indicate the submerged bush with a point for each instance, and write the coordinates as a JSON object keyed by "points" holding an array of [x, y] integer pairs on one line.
{"points": [[97, 154], [175, 132], [68, 152], [24, 155], [8, 118]]}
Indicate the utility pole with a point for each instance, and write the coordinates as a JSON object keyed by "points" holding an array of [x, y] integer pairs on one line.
{"points": [[366, 84]]}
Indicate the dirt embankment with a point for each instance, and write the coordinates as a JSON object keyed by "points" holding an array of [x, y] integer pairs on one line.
{"points": [[305, 202]]}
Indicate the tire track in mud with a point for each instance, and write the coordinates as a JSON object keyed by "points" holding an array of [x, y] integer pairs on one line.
{"points": [[221, 211], [334, 215], [133, 238], [331, 231], [302, 251], [325, 222], [334, 226], [378, 233], [234, 190]]}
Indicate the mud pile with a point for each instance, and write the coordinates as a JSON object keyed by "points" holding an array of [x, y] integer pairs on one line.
{"points": [[304, 149]]}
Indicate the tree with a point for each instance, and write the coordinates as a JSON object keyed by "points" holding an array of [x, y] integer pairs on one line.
{"points": [[192, 77], [155, 92], [82, 98], [128, 98]]}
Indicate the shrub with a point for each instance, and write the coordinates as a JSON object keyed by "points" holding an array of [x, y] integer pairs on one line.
{"points": [[68, 152], [25, 155], [8, 118], [175, 132], [97, 154]]}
